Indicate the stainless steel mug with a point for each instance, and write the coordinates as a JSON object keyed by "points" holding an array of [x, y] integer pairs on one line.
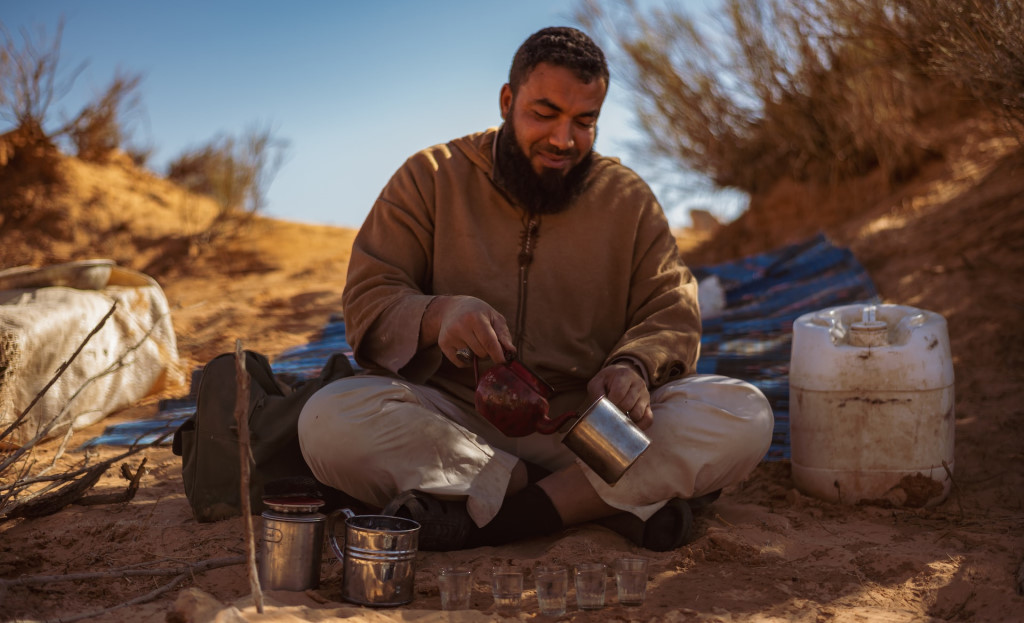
{"points": [[291, 550], [377, 561], [606, 440]]}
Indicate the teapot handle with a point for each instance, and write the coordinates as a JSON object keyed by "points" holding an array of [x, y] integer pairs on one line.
{"points": [[331, 520], [547, 426], [509, 356]]}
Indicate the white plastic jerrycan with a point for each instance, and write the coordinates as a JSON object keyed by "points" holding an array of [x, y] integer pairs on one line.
{"points": [[871, 405]]}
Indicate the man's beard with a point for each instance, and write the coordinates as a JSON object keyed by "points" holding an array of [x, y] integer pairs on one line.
{"points": [[546, 193]]}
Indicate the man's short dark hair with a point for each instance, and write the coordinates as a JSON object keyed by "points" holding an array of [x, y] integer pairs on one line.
{"points": [[561, 46]]}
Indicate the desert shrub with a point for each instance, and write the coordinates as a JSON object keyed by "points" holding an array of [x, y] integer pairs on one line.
{"points": [[139, 153], [978, 44], [235, 172], [29, 176], [31, 81], [100, 128], [29, 159], [819, 91]]}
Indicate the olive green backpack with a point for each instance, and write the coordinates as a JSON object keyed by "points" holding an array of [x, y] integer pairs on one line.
{"points": [[208, 441]]}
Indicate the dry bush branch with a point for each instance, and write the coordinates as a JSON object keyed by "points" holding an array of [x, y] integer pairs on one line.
{"points": [[818, 91], [76, 482], [32, 80], [100, 128], [180, 573], [72, 490], [123, 572], [118, 498], [74, 473], [235, 172], [980, 45]]}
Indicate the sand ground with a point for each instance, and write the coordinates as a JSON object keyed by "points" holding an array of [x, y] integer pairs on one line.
{"points": [[952, 241]]}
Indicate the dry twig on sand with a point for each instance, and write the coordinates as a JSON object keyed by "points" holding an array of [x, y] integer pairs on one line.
{"points": [[180, 574], [75, 482], [118, 498]]}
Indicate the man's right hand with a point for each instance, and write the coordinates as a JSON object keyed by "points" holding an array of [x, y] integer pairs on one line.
{"points": [[465, 322]]}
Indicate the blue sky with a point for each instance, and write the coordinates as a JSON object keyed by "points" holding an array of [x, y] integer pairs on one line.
{"points": [[355, 87]]}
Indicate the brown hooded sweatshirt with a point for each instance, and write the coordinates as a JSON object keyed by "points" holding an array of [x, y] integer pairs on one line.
{"points": [[605, 280]]}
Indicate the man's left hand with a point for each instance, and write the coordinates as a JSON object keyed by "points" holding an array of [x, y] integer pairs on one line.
{"points": [[623, 384]]}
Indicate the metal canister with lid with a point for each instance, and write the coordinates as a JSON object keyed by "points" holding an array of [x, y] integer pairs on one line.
{"points": [[292, 543]]}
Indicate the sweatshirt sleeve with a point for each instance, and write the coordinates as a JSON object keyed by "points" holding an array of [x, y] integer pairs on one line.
{"points": [[388, 285], [663, 333]]}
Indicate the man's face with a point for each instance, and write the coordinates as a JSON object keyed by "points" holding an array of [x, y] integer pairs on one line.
{"points": [[555, 118]]}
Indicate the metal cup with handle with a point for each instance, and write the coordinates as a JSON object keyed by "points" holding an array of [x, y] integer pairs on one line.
{"points": [[606, 440], [378, 556]]}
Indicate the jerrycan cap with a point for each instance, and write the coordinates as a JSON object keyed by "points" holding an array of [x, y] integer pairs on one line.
{"points": [[869, 331]]}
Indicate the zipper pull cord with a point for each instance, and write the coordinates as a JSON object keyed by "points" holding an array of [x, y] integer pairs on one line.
{"points": [[529, 238]]}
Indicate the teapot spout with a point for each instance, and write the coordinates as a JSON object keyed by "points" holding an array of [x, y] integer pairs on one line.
{"points": [[548, 426]]}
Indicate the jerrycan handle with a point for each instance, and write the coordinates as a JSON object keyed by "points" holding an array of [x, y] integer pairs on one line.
{"points": [[331, 520]]}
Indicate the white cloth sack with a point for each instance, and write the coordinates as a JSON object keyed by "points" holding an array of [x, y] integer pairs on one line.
{"points": [[711, 297], [43, 321]]}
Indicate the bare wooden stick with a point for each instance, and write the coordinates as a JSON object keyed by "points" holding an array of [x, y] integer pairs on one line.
{"points": [[72, 473], [72, 491], [49, 504], [8, 492], [242, 420], [187, 568], [141, 599], [63, 445], [118, 498], [184, 574]]}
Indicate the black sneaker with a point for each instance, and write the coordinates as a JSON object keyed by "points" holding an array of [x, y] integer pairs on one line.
{"points": [[445, 525], [669, 528]]}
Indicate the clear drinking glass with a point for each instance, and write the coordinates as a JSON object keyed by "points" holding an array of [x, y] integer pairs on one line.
{"points": [[590, 585], [631, 579], [456, 585], [507, 588], [552, 584]]}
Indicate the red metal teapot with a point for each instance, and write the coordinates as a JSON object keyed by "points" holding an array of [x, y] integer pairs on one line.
{"points": [[515, 400]]}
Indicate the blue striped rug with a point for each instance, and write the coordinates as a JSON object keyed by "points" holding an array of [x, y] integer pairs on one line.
{"points": [[751, 339]]}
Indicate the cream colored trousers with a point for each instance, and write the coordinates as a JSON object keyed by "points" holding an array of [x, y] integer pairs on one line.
{"points": [[374, 437]]}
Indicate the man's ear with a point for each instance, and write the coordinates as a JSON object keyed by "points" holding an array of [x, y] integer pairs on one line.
{"points": [[505, 100]]}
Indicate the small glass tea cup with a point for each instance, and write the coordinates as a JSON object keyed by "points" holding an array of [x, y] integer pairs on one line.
{"points": [[507, 589], [590, 585], [552, 583], [631, 580], [456, 586]]}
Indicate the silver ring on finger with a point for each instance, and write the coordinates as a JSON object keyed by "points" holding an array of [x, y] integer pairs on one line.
{"points": [[464, 355]]}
